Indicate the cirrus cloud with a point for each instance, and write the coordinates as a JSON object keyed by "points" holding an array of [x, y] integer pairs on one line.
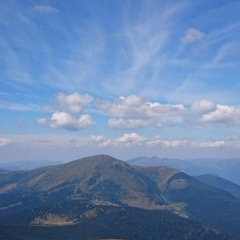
{"points": [[45, 9]]}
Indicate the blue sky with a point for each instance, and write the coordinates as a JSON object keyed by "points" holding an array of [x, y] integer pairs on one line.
{"points": [[122, 77]]}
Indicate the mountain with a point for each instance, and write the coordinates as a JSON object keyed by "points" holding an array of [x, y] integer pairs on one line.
{"points": [[100, 197], [202, 202], [216, 181], [225, 168], [94, 177], [3, 171]]}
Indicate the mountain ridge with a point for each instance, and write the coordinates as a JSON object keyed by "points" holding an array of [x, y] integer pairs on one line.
{"points": [[226, 168], [101, 186]]}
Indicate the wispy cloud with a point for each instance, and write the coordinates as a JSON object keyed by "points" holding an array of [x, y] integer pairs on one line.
{"points": [[192, 35], [20, 106], [45, 8]]}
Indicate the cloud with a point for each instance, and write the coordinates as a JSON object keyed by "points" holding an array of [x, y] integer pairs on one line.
{"points": [[203, 106], [74, 102], [134, 139], [67, 121], [4, 142], [157, 141], [131, 139], [213, 144], [121, 123], [68, 114], [134, 111], [20, 106], [45, 8], [128, 139], [222, 114], [192, 35], [101, 141]]}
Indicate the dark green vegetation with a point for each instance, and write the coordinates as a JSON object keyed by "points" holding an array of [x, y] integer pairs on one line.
{"points": [[104, 198], [125, 223]]}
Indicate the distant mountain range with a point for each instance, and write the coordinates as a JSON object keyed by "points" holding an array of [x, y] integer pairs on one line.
{"points": [[27, 164], [225, 168], [100, 197]]}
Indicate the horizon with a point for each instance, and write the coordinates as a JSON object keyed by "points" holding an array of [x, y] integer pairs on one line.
{"points": [[123, 78]]}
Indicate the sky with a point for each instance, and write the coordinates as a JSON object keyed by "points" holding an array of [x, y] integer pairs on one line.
{"points": [[126, 78]]}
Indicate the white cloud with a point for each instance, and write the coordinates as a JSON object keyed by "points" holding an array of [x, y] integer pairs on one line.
{"points": [[74, 102], [128, 139], [157, 141], [222, 114], [203, 106], [192, 35], [134, 111], [4, 142], [121, 123], [67, 121], [212, 144], [131, 139], [134, 139], [45, 8], [101, 141]]}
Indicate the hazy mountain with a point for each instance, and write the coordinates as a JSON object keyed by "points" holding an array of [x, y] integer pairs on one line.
{"points": [[120, 200], [225, 168], [27, 164], [3, 171], [216, 181]]}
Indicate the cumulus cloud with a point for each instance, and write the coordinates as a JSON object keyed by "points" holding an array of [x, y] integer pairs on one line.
{"points": [[128, 139], [4, 142], [74, 102], [203, 106], [192, 35], [137, 107], [222, 114], [134, 111], [67, 121], [101, 141], [45, 8], [131, 139], [121, 123]]}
